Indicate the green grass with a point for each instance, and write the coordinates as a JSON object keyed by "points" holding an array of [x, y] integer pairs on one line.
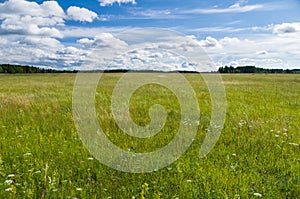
{"points": [[258, 150]]}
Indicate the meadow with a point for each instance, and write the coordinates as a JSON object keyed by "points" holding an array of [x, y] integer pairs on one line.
{"points": [[257, 155]]}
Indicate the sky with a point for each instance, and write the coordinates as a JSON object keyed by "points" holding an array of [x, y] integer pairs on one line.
{"points": [[65, 34]]}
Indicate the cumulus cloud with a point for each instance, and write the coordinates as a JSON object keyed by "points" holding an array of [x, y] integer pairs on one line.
{"points": [[43, 51], [103, 40], [229, 41], [283, 51], [29, 18], [49, 9], [286, 28], [209, 42], [81, 14], [134, 50], [111, 2], [150, 59], [42, 42]]}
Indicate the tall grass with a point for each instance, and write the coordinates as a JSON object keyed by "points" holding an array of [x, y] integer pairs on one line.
{"points": [[258, 153]]}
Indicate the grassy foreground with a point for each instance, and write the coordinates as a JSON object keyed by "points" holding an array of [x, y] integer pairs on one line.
{"points": [[257, 155]]}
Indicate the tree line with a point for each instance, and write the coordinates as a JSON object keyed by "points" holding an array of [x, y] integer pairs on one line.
{"points": [[253, 69], [12, 69]]}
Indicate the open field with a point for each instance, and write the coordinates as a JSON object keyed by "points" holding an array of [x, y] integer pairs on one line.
{"points": [[258, 153]]}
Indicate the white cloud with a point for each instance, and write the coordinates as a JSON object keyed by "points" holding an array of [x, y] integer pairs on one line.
{"points": [[81, 14], [103, 40], [229, 41], [42, 42], [210, 42], [29, 18], [111, 2], [235, 8], [286, 28], [24, 26], [145, 52], [22, 7], [267, 50]]}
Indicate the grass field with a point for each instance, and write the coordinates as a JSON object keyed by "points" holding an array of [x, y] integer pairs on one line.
{"points": [[257, 155]]}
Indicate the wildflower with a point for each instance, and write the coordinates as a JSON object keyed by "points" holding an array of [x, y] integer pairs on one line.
{"points": [[258, 195], [277, 136], [8, 189], [189, 181], [28, 154], [242, 123], [294, 144], [90, 158], [79, 189], [285, 134], [284, 129], [233, 154], [8, 182], [11, 175]]}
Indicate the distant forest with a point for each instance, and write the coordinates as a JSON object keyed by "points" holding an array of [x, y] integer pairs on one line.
{"points": [[253, 69], [12, 69]]}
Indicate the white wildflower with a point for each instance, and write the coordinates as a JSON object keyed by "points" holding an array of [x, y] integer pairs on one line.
{"points": [[11, 175], [258, 195], [189, 181], [8, 182], [277, 136], [233, 154], [242, 123], [28, 154], [79, 189], [90, 158], [285, 134], [294, 144], [8, 189]]}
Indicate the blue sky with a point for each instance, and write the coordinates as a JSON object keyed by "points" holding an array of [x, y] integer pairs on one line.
{"points": [[61, 34]]}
